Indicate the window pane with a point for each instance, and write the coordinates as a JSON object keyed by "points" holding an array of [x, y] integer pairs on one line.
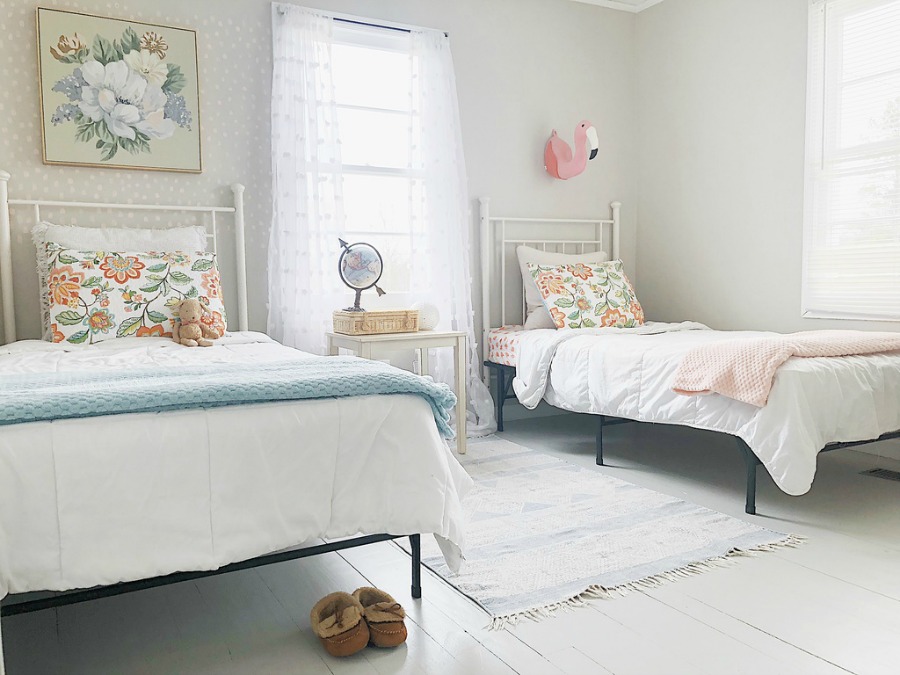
{"points": [[397, 256], [377, 211], [376, 203], [870, 44], [858, 197], [371, 77], [374, 139], [870, 111]]}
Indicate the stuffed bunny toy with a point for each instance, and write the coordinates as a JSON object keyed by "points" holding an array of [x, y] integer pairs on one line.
{"points": [[189, 330]]}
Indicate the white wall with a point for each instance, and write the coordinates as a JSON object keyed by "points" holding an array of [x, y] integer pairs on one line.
{"points": [[721, 109], [522, 67]]}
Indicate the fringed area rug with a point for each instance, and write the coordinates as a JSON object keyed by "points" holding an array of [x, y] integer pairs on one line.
{"points": [[543, 534]]}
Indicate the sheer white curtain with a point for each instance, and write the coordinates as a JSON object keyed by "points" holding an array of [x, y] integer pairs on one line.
{"points": [[308, 215], [440, 213], [307, 211]]}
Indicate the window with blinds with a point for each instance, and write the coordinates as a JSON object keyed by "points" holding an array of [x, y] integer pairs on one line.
{"points": [[851, 243]]}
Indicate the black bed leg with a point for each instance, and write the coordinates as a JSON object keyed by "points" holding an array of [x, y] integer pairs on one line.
{"points": [[750, 506], [752, 462], [600, 441], [501, 397], [415, 546]]}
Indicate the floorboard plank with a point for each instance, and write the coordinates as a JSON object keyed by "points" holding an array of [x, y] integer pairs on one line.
{"points": [[836, 621], [790, 658], [574, 662]]}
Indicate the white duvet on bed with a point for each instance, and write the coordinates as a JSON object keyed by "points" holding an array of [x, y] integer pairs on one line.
{"points": [[96, 501], [628, 373]]}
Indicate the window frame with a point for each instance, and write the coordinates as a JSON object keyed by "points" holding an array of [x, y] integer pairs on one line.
{"points": [[382, 38], [824, 150]]}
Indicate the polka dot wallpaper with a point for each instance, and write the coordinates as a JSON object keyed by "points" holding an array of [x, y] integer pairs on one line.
{"points": [[234, 45]]}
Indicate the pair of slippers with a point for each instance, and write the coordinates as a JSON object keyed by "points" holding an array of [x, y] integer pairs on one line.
{"points": [[345, 623]]}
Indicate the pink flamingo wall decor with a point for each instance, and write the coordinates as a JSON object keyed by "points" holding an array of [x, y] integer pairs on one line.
{"points": [[558, 158]]}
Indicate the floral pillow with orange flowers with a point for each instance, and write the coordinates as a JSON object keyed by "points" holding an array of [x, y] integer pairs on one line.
{"points": [[99, 295], [588, 295]]}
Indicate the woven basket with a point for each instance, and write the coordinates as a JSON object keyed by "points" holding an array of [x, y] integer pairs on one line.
{"points": [[376, 323]]}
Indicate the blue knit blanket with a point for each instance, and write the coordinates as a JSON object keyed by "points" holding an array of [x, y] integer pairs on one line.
{"points": [[33, 397]]}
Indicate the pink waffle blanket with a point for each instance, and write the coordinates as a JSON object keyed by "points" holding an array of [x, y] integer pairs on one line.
{"points": [[745, 369]]}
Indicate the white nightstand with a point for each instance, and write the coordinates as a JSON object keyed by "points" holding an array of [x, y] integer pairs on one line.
{"points": [[368, 347]]}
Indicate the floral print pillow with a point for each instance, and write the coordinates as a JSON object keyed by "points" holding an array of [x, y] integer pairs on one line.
{"points": [[588, 296], [99, 295]]}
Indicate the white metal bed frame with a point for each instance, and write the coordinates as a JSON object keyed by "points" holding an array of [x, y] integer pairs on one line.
{"points": [[9, 325], [211, 223], [493, 257], [494, 254]]}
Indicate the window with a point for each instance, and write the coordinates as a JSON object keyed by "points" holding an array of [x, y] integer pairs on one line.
{"points": [[851, 244], [373, 74]]}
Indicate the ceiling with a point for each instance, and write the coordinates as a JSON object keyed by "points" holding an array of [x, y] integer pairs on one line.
{"points": [[633, 6]]}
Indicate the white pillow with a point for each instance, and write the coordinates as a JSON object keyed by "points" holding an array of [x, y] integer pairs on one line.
{"points": [[121, 238], [536, 314], [193, 238]]}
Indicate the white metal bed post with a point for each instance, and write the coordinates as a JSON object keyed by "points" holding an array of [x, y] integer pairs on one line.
{"points": [[238, 191], [486, 254], [616, 207], [6, 277]]}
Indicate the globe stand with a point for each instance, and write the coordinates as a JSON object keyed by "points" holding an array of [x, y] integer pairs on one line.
{"points": [[356, 307]]}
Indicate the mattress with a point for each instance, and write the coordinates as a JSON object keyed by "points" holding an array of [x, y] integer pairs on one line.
{"points": [[95, 501], [503, 345]]}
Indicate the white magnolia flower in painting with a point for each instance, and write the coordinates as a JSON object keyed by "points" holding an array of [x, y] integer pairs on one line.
{"points": [[154, 123], [148, 64], [110, 94], [121, 100]]}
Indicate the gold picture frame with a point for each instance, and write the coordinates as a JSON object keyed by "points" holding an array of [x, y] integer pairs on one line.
{"points": [[116, 93]]}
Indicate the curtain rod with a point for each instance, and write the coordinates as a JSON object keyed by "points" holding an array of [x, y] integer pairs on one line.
{"points": [[377, 25], [359, 21]]}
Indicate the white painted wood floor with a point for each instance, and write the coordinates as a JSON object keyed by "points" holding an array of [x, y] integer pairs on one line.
{"points": [[830, 606]]}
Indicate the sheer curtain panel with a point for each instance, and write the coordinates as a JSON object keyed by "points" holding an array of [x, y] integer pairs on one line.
{"points": [[440, 212], [307, 209]]}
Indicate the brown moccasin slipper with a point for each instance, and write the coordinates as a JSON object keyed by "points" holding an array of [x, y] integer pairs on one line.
{"points": [[384, 615], [337, 619]]}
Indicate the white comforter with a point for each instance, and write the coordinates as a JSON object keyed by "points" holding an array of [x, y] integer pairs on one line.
{"points": [[628, 373], [107, 499]]}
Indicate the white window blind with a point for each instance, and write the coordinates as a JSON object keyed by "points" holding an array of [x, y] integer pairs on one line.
{"points": [[851, 243]]}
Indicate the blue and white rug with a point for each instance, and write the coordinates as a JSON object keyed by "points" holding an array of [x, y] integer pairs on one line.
{"points": [[543, 534]]}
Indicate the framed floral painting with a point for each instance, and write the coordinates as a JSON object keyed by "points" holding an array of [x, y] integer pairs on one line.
{"points": [[116, 93]]}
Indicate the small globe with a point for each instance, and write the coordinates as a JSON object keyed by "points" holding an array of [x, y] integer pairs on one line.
{"points": [[360, 266]]}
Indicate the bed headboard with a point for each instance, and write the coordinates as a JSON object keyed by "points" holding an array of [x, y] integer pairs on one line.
{"points": [[501, 282], [209, 213]]}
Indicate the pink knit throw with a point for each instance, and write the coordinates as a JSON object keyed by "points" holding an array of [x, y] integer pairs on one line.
{"points": [[745, 369]]}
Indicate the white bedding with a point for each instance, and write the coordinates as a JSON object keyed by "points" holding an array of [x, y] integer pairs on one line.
{"points": [[96, 501], [628, 373]]}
